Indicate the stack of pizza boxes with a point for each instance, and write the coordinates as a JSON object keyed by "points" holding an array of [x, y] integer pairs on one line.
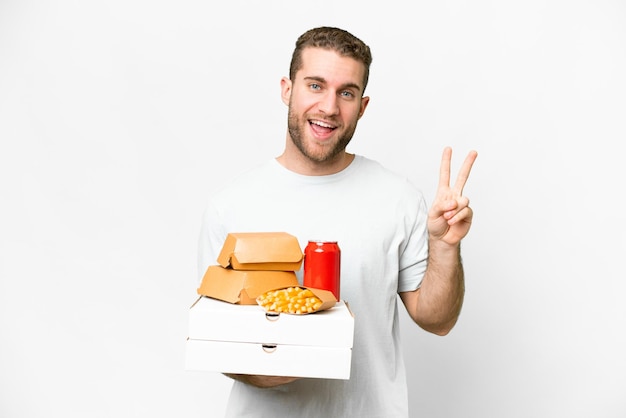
{"points": [[229, 332]]}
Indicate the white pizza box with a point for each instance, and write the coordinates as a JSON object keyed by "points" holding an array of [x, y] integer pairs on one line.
{"points": [[268, 359], [215, 320]]}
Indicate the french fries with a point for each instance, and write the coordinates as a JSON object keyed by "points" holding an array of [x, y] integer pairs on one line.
{"points": [[292, 300]]}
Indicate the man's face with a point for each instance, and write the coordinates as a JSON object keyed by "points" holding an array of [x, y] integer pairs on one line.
{"points": [[325, 103]]}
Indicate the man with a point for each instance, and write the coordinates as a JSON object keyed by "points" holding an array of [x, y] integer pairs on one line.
{"points": [[391, 243]]}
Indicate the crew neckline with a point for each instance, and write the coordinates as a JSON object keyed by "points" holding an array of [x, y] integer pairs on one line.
{"points": [[356, 161]]}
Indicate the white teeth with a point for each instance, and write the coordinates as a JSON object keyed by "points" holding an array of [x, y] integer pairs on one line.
{"points": [[322, 124]]}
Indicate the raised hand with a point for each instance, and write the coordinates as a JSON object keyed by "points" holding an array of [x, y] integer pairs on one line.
{"points": [[450, 217]]}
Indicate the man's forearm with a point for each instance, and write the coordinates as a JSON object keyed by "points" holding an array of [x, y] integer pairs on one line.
{"points": [[437, 304]]}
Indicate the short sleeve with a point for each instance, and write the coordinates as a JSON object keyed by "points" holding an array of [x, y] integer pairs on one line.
{"points": [[211, 239], [414, 257]]}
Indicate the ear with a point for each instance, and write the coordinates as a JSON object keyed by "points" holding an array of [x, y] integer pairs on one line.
{"points": [[285, 90], [364, 102]]}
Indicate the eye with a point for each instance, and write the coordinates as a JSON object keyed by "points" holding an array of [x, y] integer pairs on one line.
{"points": [[347, 94], [314, 86]]}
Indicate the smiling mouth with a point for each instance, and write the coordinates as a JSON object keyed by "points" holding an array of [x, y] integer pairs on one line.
{"points": [[321, 128]]}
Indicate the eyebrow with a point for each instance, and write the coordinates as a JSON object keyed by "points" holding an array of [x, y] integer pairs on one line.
{"points": [[343, 86]]}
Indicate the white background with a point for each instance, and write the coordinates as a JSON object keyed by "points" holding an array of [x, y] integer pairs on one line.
{"points": [[119, 118]]}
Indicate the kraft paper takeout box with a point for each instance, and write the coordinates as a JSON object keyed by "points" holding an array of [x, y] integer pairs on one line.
{"points": [[242, 287], [278, 251], [228, 338]]}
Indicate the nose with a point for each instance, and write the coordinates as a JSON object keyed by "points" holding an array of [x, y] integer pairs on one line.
{"points": [[328, 103]]}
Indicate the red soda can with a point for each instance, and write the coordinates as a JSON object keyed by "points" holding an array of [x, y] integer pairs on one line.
{"points": [[322, 266]]}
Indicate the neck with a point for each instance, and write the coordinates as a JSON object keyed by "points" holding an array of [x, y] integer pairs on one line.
{"points": [[302, 165]]}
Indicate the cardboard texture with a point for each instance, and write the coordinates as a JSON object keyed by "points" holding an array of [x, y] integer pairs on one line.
{"points": [[211, 319], [242, 287], [271, 360], [278, 251], [229, 338]]}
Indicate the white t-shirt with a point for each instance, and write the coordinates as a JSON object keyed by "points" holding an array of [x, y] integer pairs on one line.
{"points": [[379, 221]]}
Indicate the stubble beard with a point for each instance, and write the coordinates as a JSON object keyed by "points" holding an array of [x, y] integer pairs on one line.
{"points": [[296, 127]]}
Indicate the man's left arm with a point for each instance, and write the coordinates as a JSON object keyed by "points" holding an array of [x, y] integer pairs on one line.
{"points": [[436, 305]]}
